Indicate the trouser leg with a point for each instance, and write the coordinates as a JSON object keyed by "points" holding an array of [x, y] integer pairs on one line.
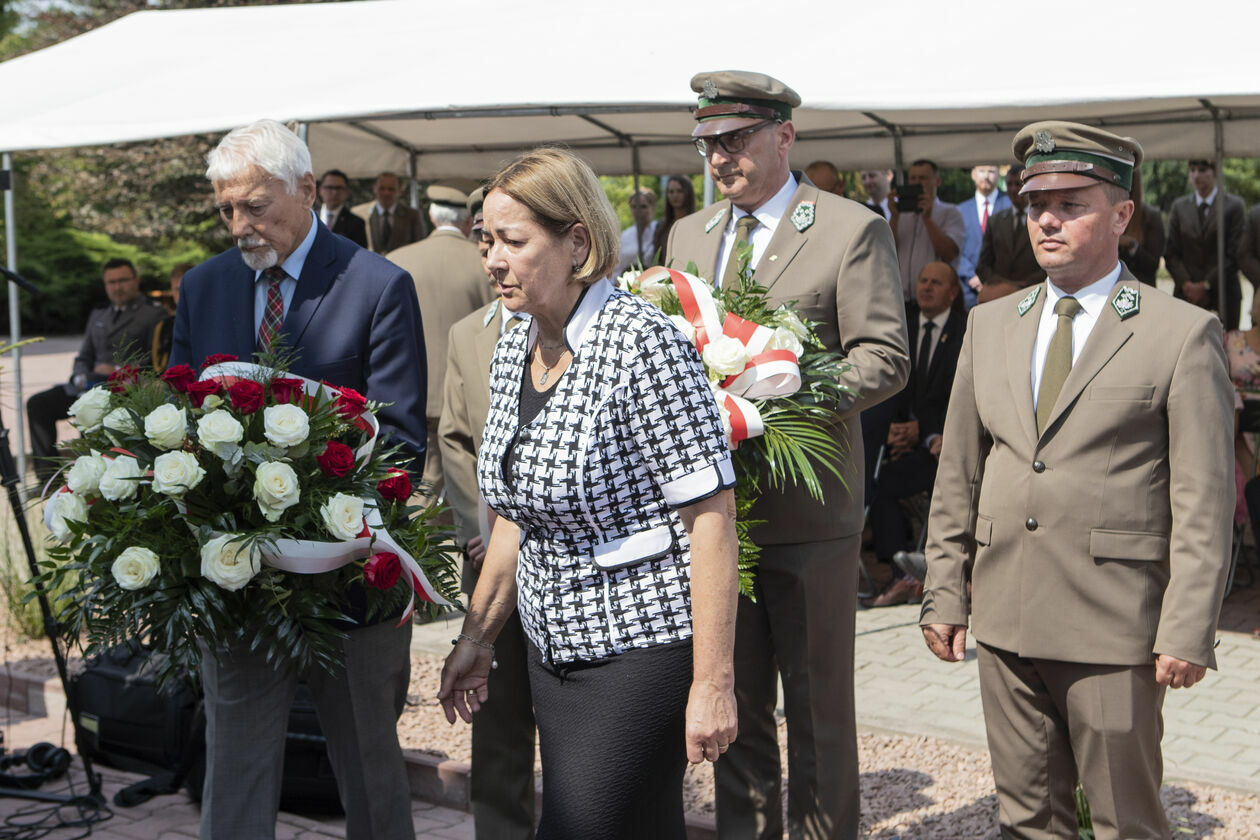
{"points": [[358, 713]]}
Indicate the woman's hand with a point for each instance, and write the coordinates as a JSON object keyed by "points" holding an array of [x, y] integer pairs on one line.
{"points": [[711, 721], [465, 677]]}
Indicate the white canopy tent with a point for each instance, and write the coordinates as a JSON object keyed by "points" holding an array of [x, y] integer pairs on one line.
{"points": [[452, 90]]}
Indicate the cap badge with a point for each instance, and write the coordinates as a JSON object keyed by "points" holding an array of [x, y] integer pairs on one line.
{"points": [[1126, 302], [1044, 141], [803, 216], [1028, 301], [712, 223], [710, 89]]}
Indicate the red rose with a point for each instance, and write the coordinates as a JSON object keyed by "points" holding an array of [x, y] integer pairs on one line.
{"points": [[350, 403], [382, 570], [180, 377], [217, 359], [396, 486], [246, 396], [337, 460], [285, 390], [122, 377], [198, 391]]}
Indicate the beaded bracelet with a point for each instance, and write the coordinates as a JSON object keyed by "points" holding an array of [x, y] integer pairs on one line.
{"points": [[464, 637]]}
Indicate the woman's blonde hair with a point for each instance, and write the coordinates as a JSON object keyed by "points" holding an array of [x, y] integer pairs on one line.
{"points": [[561, 190]]}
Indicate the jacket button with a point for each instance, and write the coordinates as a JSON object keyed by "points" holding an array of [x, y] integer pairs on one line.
{"points": [[1031, 524], [1039, 467]]}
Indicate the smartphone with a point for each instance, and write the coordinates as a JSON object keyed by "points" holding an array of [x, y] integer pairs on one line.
{"points": [[908, 197]]}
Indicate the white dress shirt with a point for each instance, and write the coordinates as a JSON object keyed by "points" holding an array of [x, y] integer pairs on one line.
{"points": [[292, 267], [768, 216], [1092, 299]]}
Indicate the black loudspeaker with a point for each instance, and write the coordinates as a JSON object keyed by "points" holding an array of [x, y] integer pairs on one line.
{"points": [[47, 762]]}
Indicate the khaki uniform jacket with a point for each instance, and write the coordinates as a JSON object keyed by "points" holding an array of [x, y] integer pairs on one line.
{"points": [[467, 398], [1106, 540], [1006, 252], [841, 270], [450, 283]]}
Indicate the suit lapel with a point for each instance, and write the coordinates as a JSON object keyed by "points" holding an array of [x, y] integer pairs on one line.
{"points": [[1021, 335], [239, 321], [710, 243], [1107, 336], [317, 276], [787, 240], [947, 336]]}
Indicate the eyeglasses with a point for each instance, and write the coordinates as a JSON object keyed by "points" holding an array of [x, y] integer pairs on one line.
{"points": [[732, 142]]}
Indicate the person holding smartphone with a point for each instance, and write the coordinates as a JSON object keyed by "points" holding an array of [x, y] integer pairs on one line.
{"points": [[926, 231]]}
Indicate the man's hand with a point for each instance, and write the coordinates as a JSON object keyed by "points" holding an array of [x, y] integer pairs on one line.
{"points": [[902, 437], [104, 368], [476, 552], [975, 283], [947, 641], [1177, 673], [1195, 292], [934, 447]]}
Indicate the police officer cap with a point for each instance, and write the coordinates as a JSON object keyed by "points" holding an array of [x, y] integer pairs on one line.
{"points": [[733, 99], [446, 196], [475, 199], [1062, 155]]}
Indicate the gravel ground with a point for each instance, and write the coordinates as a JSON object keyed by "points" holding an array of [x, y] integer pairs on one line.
{"points": [[912, 787]]}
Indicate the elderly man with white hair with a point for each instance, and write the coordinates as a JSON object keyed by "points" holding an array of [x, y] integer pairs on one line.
{"points": [[352, 319]]}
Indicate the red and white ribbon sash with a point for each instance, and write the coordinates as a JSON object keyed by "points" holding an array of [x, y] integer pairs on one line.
{"points": [[768, 373]]}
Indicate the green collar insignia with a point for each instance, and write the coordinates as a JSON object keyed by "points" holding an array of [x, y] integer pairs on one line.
{"points": [[803, 216], [1029, 300], [1126, 302], [490, 313], [712, 223]]}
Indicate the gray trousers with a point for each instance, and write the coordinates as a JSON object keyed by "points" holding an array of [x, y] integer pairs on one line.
{"points": [[247, 712]]}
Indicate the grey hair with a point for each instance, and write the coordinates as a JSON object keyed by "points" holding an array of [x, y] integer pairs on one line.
{"points": [[441, 214], [267, 144]]}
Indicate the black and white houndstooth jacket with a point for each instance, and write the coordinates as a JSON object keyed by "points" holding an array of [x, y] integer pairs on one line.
{"points": [[630, 434]]}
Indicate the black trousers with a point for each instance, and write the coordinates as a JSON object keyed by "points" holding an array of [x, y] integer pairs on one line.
{"points": [[43, 410], [611, 736], [914, 472]]}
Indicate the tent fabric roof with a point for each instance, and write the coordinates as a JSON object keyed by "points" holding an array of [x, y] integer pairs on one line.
{"points": [[460, 88]]}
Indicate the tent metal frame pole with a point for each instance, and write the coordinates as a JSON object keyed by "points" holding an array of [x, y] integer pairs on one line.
{"points": [[1222, 299], [708, 186], [15, 313], [414, 189]]}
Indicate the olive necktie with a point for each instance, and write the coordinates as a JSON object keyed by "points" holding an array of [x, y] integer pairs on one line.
{"points": [[743, 227], [1058, 360]]}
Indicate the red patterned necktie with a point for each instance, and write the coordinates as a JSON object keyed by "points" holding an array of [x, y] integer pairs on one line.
{"points": [[273, 311]]}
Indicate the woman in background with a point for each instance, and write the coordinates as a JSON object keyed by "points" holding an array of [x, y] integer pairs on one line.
{"points": [[680, 200]]}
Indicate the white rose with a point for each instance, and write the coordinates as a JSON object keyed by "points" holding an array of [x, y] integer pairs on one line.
{"points": [[89, 409], [685, 327], [166, 427], [343, 516], [230, 564], [85, 474], [175, 473], [628, 280], [785, 339], [121, 478], [654, 289], [65, 507], [135, 567], [120, 420], [725, 356], [276, 489], [220, 431], [285, 425], [785, 317]]}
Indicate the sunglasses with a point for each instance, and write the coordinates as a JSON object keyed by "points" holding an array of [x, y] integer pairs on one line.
{"points": [[732, 142]]}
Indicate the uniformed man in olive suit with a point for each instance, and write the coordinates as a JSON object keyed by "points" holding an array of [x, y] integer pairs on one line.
{"points": [[119, 331], [450, 283], [836, 260], [1085, 487]]}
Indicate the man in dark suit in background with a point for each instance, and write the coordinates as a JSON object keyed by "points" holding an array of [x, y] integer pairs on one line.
{"points": [[1190, 252], [392, 223], [334, 190], [936, 323], [352, 319], [115, 331], [1007, 261]]}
